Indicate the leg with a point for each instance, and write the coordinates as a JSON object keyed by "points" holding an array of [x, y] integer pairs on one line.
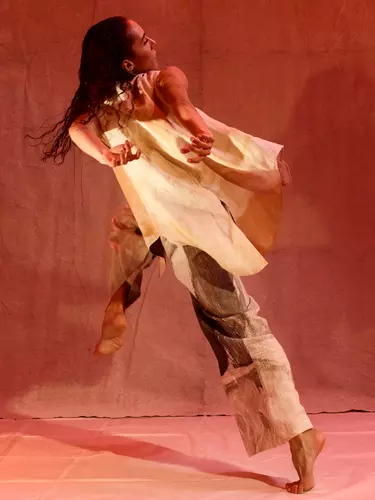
{"points": [[129, 259], [255, 371]]}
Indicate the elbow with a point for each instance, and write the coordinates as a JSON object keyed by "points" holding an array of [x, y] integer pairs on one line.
{"points": [[75, 129], [71, 132], [79, 124], [72, 129], [184, 112], [269, 181]]}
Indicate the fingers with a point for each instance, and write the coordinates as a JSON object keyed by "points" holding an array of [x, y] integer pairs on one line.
{"points": [[205, 139], [197, 143], [138, 154], [124, 155], [202, 142], [129, 155], [195, 149], [202, 145]]}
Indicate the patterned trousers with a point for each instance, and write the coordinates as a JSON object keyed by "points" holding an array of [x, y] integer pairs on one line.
{"points": [[254, 369]]}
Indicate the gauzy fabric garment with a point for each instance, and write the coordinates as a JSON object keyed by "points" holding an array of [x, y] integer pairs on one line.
{"points": [[182, 202], [254, 369]]}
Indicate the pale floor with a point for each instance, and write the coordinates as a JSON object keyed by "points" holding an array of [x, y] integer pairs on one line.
{"points": [[173, 458]]}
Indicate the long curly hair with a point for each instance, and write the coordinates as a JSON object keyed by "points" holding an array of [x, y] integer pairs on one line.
{"points": [[104, 48]]}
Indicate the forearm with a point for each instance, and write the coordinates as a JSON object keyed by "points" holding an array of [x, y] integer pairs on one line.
{"points": [[87, 140], [186, 114], [172, 91]]}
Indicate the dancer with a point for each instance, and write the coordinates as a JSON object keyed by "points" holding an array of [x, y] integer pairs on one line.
{"points": [[207, 197]]}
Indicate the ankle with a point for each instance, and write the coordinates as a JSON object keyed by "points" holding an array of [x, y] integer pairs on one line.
{"points": [[300, 438]]}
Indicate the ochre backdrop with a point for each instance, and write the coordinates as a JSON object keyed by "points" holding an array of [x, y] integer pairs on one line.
{"points": [[301, 73]]}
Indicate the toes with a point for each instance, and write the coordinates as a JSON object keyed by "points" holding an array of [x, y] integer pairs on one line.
{"points": [[289, 487], [295, 488]]}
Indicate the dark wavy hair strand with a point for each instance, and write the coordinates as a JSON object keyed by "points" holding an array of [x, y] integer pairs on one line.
{"points": [[104, 48]]}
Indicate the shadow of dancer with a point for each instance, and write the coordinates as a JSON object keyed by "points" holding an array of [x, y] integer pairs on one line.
{"points": [[322, 277]]}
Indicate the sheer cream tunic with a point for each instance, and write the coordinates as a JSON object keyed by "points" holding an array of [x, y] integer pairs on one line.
{"points": [[183, 202]]}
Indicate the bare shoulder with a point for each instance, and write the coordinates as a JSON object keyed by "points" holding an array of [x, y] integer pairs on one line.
{"points": [[171, 75], [85, 120]]}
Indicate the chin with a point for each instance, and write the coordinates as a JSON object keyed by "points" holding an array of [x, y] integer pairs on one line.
{"points": [[152, 66], [154, 63]]}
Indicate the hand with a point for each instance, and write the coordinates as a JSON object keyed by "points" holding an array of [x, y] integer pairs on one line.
{"points": [[120, 155], [202, 145], [285, 175]]}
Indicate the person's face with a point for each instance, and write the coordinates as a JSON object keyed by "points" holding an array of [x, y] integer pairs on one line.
{"points": [[144, 57]]}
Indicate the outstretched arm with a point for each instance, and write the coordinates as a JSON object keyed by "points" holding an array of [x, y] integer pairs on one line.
{"points": [[172, 92], [86, 136]]}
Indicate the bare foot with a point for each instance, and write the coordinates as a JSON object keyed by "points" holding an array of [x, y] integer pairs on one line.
{"points": [[114, 326], [305, 449], [105, 347]]}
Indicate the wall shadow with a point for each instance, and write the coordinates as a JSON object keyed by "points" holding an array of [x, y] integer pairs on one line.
{"points": [[322, 278]]}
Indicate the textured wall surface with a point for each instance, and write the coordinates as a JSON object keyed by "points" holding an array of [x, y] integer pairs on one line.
{"points": [[301, 73]]}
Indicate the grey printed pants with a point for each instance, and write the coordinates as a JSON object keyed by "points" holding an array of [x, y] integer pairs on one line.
{"points": [[254, 369]]}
